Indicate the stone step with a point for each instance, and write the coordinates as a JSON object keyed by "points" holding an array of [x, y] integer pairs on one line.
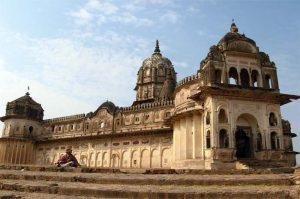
{"points": [[146, 191], [147, 171], [4, 194], [146, 179]]}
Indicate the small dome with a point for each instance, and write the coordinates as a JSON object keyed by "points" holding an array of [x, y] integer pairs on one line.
{"points": [[234, 41], [109, 106], [25, 107]]}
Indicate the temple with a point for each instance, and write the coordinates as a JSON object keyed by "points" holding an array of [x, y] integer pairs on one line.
{"points": [[225, 116]]}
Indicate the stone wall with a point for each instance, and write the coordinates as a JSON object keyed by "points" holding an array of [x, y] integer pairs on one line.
{"points": [[136, 151], [17, 151]]}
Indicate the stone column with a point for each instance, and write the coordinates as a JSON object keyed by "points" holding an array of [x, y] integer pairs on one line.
{"points": [[189, 137], [176, 140], [198, 139], [213, 124], [183, 147]]}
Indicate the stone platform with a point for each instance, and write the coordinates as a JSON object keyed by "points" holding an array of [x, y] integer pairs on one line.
{"points": [[50, 182]]}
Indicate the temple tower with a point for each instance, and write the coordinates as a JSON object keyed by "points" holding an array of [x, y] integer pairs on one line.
{"points": [[156, 79], [22, 123], [229, 112]]}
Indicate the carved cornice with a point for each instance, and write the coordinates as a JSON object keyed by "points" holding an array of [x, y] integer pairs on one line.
{"points": [[106, 135], [253, 94], [64, 119]]}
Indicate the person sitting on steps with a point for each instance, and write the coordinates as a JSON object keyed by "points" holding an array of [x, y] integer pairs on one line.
{"points": [[68, 160]]}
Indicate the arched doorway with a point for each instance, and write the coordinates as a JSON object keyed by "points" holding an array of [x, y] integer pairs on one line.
{"points": [[245, 134], [243, 139]]}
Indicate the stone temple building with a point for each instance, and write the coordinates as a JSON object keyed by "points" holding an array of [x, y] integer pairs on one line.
{"points": [[226, 115]]}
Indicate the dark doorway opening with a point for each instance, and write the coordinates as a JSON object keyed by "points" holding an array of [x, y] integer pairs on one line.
{"points": [[243, 140]]}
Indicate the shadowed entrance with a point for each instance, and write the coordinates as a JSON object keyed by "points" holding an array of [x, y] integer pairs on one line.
{"points": [[243, 142], [246, 125]]}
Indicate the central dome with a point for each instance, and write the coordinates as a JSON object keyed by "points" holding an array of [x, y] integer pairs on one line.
{"points": [[234, 41]]}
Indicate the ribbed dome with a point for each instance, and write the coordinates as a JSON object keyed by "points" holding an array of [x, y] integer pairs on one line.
{"points": [[109, 106], [25, 107], [156, 59], [155, 75], [234, 41]]}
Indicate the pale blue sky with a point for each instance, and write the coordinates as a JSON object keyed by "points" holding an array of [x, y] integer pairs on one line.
{"points": [[74, 54]]}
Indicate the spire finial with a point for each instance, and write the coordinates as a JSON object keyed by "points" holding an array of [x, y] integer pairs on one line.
{"points": [[27, 93], [157, 50], [233, 27]]}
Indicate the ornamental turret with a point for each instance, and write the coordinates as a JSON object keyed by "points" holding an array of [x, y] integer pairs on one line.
{"points": [[23, 117]]}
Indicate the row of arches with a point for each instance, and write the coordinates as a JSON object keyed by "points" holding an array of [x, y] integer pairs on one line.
{"points": [[224, 140], [245, 78], [222, 117], [144, 158]]}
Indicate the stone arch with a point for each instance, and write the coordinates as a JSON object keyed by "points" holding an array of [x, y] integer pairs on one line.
{"points": [[223, 138], [207, 118], [145, 158], [275, 141], [155, 159], [147, 72], [166, 158], [245, 135], [125, 159], [233, 76], [83, 159], [259, 142], [218, 76], [255, 78], [268, 81], [222, 116], [92, 159], [30, 129], [135, 159], [98, 160], [208, 140], [161, 71], [105, 159], [245, 80], [115, 160], [272, 119]]}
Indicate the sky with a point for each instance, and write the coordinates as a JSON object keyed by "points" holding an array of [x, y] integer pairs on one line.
{"points": [[76, 54]]}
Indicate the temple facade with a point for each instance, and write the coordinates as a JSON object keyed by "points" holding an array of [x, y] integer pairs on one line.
{"points": [[226, 115]]}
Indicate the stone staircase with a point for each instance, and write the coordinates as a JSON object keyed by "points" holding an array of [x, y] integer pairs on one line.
{"points": [[50, 182], [258, 164]]}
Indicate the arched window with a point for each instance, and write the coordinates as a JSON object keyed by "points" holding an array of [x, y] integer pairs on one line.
{"points": [[272, 119], [268, 81], [223, 139], [147, 72], [102, 124], [30, 130], [245, 80], [218, 74], [208, 139], [254, 78], [207, 118], [274, 141], [222, 116], [161, 72], [233, 76], [259, 142]]}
